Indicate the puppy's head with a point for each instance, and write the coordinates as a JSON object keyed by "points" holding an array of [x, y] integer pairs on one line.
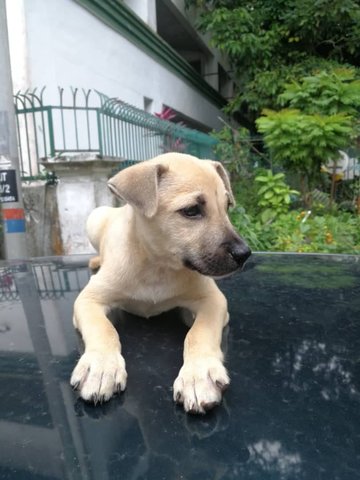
{"points": [[182, 205]]}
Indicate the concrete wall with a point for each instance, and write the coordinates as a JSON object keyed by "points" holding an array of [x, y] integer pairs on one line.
{"points": [[56, 214], [58, 42]]}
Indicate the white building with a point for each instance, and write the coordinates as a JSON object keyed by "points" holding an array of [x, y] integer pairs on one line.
{"points": [[145, 52]]}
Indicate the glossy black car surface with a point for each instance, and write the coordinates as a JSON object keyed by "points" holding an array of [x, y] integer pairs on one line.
{"points": [[292, 411]]}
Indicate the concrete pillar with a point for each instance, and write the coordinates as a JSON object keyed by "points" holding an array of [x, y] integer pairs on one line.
{"points": [[13, 218], [81, 187]]}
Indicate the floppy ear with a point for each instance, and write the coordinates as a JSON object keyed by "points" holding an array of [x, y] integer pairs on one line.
{"points": [[138, 186], [226, 179]]}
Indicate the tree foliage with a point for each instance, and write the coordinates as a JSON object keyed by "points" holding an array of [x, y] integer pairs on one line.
{"points": [[301, 142], [321, 119], [327, 92], [269, 43]]}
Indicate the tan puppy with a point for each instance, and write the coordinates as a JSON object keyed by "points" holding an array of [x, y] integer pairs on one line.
{"points": [[158, 252]]}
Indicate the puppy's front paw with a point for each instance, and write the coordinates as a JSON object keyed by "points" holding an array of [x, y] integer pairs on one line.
{"points": [[200, 384], [99, 375]]}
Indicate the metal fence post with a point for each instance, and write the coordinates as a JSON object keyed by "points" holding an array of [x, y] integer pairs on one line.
{"points": [[51, 132], [13, 218]]}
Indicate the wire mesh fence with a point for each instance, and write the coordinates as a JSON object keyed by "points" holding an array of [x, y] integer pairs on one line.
{"points": [[80, 121]]}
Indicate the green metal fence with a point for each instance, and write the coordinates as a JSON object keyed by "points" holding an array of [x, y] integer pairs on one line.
{"points": [[83, 121], [51, 281]]}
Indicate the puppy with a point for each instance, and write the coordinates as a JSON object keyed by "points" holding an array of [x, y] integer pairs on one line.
{"points": [[159, 251]]}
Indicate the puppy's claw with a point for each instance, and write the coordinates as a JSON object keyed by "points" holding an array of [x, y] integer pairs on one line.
{"points": [[120, 387], [209, 406], [222, 385], [178, 397], [75, 385], [193, 409]]}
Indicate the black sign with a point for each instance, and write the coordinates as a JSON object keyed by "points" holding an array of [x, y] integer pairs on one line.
{"points": [[8, 187]]}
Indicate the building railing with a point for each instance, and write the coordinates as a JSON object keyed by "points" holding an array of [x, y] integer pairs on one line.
{"points": [[52, 282], [82, 121]]}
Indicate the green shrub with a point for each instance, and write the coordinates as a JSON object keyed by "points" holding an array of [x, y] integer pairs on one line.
{"points": [[301, 231], [321, 118], [274, 195], [305, 232], [300, 142]]}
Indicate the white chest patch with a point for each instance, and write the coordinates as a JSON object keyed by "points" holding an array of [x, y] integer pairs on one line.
{"points": [[151, 294]]}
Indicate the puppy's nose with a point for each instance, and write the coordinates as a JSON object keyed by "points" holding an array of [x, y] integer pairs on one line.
{"points": [[239, 251]]}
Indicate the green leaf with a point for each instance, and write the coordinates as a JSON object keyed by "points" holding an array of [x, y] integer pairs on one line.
{"points": [[261, 179], [267, 216], [268, 195]]}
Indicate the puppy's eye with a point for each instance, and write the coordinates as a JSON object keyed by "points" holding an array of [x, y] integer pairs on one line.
{"points": [[191, 212]]}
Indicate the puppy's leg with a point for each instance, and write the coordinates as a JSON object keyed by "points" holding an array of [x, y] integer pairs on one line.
{"points": [[100, 371], [203, 377]]}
